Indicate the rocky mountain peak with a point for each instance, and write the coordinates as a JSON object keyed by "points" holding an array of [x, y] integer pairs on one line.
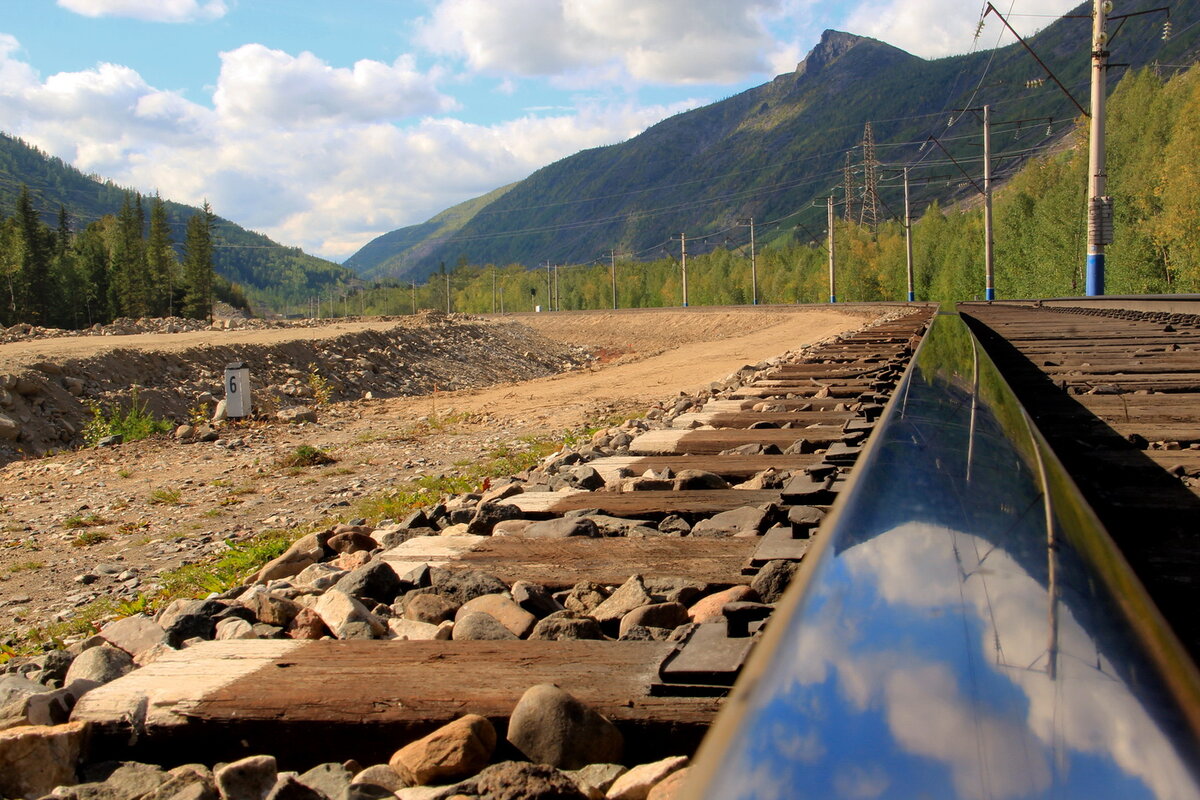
{"points": [[833, 45]]}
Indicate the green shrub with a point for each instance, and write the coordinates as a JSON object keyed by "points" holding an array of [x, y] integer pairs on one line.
{"points": [[131, 424]]}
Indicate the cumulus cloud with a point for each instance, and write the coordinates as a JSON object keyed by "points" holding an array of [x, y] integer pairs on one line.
{"points": [[261, 158], [258, 84], [150, 10], [658, 41], [936, 28]]}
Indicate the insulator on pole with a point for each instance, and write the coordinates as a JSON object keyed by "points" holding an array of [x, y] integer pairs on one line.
{"points": [[1166, 34]]}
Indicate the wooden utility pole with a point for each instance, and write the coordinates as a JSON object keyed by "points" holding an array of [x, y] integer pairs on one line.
{"points": [[832, 282]]}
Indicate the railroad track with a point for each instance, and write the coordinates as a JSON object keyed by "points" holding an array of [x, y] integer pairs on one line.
{"points": [[785, 435], [958, 606]]}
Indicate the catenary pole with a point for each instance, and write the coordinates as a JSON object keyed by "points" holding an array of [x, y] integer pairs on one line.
{"points": [[989, 260], [908, 239], [613, 256], [1099, 208], [832, 283]]}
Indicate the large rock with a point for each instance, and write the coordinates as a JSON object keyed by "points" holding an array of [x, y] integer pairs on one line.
{"points": [[566, 625], [658, 615], [504, 610], [305, 551], [288, 787], [626, 598], [773, 579], [463, 585], [234, 628], [709, 608], [16, 687], [639, 781], [307, 625], [99, 665], [374, 581], [478, 626], [456, 750], [379, 775], [697, 479], [514, 780], [250, 778], [134, 634], [594, 779], [550, 726], [669, 787], [429, 607], [744, 521], [34, 759], [346, 617], [562, 528]]}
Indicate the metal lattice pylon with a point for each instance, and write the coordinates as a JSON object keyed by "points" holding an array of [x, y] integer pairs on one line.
{"points": [[848, 185], [869, 214]]}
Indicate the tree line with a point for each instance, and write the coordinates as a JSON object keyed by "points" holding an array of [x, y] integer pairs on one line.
{"points": [[1040, 236], [122, 265]]}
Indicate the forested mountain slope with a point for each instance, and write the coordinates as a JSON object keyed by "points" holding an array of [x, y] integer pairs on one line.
{"points": [[769, 152]]}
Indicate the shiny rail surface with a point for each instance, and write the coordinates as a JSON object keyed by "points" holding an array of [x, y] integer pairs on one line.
{"points": [[964, 627]]}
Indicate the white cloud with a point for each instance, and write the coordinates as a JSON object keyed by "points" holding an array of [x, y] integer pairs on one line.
{"points": [[261, 158], [657, 41], [258, 84], [936, 28], [150, 10]]}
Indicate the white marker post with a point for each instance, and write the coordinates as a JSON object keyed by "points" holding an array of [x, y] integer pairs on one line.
{"points": [[237, 389]]}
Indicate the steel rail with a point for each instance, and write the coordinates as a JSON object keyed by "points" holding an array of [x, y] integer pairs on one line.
{"points": [[963, 627]]}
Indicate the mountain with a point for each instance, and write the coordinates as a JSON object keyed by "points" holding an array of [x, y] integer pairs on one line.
{"points": [[269, 271], [771, 151]]}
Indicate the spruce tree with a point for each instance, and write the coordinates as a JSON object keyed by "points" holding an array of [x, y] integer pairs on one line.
{"points": [[160, 261], [198, 265], [34, 260]]}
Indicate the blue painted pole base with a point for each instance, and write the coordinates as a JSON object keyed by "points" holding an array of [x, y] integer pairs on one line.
{"points": [[1095, 274], [989, 294], [833, 298], [912, 297]]}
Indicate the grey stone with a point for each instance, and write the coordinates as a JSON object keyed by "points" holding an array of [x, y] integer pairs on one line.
{"points": [[515, 780], [185, 619], [641, 633], [250, 778], [346, 617], [381, 776], [478, 626], [626, 598], [428, 607], [319, 576], [133, 779], [54, 665], [234, 628], [699, 479], [597, 776], [289, 787], [33, 760], [463, 585], [17, 687], [550, 726], [773, 579], [303, 552], [674, 524], [501, 608], [566, 626], [329, 779], [269, 607], [535, 599], [99, 665], [376, 581], [585, 477], [134, 634], [615, 526], [44, 708], [562, 528], [746, 520], [486, 515], [658, 615], [584, 597], [296, 414]]}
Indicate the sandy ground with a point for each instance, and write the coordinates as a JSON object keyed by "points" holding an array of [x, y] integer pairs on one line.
{"points": [[223, 494]]}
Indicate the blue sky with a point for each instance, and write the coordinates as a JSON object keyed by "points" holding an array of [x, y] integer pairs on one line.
{"points": [[325, 124]]}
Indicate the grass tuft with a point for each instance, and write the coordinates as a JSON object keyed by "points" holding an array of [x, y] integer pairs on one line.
{"points": [[306, 456]]}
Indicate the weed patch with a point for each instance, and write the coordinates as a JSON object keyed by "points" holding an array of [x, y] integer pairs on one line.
{"points": [[130, 424], [306, 456]]}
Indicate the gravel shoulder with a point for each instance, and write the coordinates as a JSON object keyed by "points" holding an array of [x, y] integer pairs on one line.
{"points": [[106, 522]]}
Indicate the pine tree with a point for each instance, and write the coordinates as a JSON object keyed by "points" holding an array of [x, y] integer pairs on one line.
{"points": [[128, 287], [198, 265], [93, 261]]}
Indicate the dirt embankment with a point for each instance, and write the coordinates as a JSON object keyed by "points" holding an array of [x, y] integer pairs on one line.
{"points": [[44, 404]]}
